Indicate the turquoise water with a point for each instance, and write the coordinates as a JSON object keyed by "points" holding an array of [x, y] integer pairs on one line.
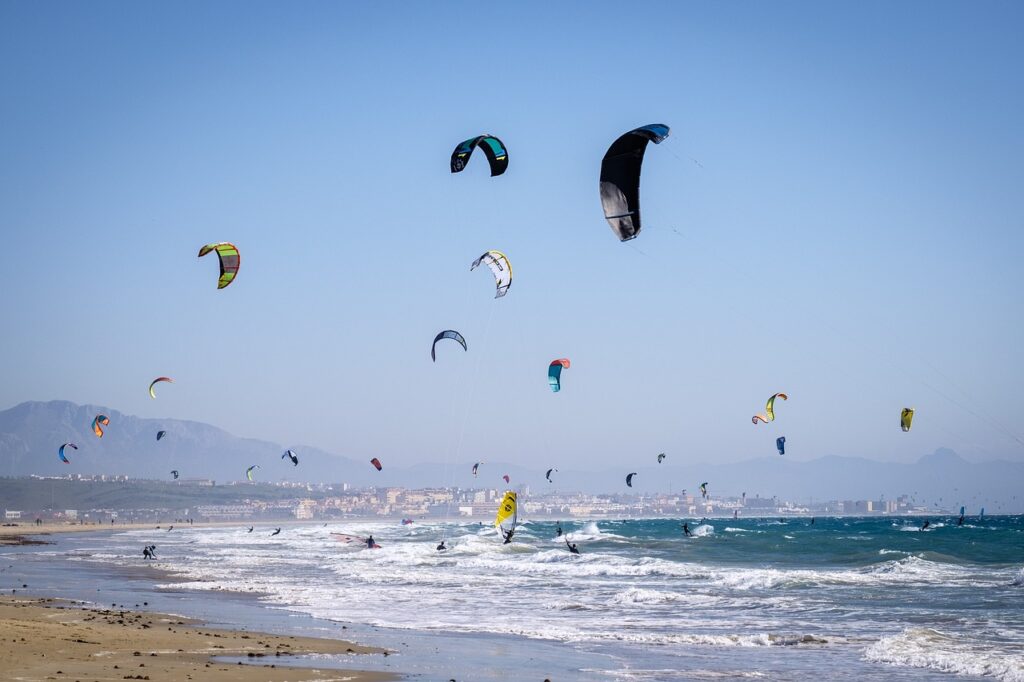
{"points": [[860, 598]]}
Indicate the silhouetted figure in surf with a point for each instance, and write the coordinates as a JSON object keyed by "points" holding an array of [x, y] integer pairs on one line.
{"points": [[812, 520], [572, 547], [276, 531], [558, 530], [146, 553], [441, 547], [370, 543], [170, 528], [686, 530], [960, 521], [508, 537], [250, 528], [926, 524]]}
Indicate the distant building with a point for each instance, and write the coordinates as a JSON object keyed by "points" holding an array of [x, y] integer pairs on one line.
{"points": [[10, 514]]}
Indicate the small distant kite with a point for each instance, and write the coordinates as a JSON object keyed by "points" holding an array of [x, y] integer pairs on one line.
{"points": [[447, 334], [704, 490], [60, 452], [629, 479], [174, 472], [230, 259], [506, 478], [248, 472], [780, 443], [555, 373], [548, 475], [160, 434], [152, 394], [376, 462], [476, 467], [290, 454], [906, 417], [661, 458], [98, 423], [500, 267], [493, 148], [769, 409]]}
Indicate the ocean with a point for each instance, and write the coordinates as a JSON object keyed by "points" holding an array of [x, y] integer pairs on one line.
{"points": [[780, 599]]}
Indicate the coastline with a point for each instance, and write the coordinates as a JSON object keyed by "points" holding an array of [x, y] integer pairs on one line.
{"points": [[59, 639]]}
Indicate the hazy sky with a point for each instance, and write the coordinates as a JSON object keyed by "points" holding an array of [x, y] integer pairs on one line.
{"points": [[837, 215]]}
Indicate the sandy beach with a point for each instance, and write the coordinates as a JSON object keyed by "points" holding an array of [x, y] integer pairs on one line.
{"points": [[47, 639]]}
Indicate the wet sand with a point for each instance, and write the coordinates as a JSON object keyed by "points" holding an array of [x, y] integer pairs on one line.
{"points": [[45, 639], [26, 533]]}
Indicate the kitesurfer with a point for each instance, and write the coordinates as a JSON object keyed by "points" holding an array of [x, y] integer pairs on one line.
{"points": [[960, 521], [146, 553], [812, 520], [250, 528], [686, 530], [441, 547], [370, 543], [170, 528], [926, 524], [558, 530], [572, 547], [276, 531]]}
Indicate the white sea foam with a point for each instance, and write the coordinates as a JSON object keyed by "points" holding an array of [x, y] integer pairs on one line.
{"points": [[934, 650]]}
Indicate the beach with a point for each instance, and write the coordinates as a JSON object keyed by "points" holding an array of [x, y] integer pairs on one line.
{"points": [[52, 639]]}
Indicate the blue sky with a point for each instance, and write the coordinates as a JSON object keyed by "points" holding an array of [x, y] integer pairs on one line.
{"points": [[836, 215]]}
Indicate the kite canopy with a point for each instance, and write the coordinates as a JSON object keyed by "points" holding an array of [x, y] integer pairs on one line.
{"points": [[629, 479], [548, 475], [447, 334], [160, 434], [60, 452], [248, 472], [906, 417], [98, 423], [476, 467], [500, 267], [230, 259], [780, 443], [152, 394], [290, 454], [174, 472], [661, 458], [505, 476], [555, 373], [769, 409], [495, 151], [620, 178], [376, 462], [704, 489], [507, 516]]}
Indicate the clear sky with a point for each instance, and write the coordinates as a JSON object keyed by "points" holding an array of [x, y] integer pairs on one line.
{"points": [[837, 215]]}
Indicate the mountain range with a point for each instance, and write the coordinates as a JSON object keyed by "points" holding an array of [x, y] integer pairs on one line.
{"points": [[31, 432]]}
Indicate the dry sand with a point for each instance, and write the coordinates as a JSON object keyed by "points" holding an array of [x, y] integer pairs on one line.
{"points": [[44, 639]]}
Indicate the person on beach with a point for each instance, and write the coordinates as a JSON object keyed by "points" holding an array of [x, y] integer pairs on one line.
{"points": [[572, 547], [686, 530], [370, 543], [276, 531], [441, 547]]}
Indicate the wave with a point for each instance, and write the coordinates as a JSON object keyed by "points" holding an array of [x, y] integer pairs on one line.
{"points": [[934, 650]]}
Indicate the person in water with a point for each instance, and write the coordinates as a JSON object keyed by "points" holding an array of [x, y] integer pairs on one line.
{"points": [[441, 547], [812, 520], [508, 536], [370, 543], [686, 529], [146, 554], [276, 531], [960, 521], [572, 547], [558, 530], [926, 524], [250, 528]]}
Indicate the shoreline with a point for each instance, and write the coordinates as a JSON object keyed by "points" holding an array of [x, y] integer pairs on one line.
{"points": [[57, 639]]}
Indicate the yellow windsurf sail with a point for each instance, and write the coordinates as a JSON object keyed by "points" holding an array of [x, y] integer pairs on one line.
{"points": [[507, 513]]}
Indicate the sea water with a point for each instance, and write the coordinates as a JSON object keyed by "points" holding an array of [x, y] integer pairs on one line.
{"points": [[853, 598]]}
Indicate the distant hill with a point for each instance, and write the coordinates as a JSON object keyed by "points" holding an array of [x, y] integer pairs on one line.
{"points": [[31, 432]]}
